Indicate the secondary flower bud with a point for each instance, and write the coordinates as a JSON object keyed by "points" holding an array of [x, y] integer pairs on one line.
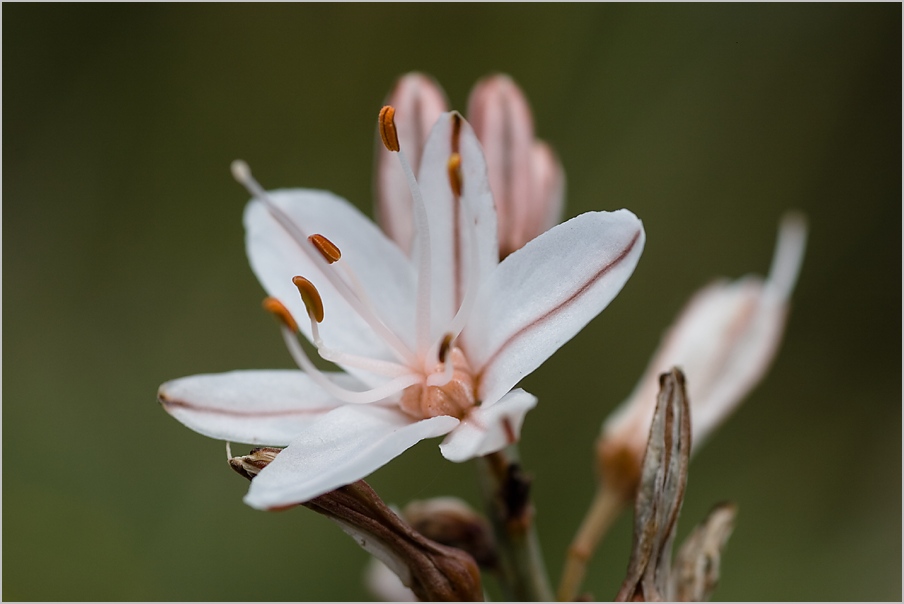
{"points": [[724, 341], [452, 522]]}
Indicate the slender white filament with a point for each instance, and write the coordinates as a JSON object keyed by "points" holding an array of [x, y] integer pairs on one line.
{"points": [[425, 269], [373, 395], [242, 174]]}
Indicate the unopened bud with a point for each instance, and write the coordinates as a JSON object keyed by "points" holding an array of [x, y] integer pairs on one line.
{"points": [[250, 465], [452, 522]]}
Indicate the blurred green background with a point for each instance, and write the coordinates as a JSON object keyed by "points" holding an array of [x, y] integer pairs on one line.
{"points": [[124, 267]]}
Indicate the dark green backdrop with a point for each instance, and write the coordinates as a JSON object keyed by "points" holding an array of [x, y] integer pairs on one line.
{"points": [[124, 266]]}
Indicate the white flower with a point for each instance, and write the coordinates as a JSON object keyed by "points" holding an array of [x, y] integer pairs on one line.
{"points": [[429, 345], [724, 341]]}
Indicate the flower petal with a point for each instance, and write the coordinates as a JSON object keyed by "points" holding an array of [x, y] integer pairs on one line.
{"points": [[418, 101], [452, 243], [267, 407], [488, 429], [346, 445], [540, 296], [277, 255], [503, 122]]}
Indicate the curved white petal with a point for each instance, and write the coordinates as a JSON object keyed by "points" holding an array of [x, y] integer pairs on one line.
{"points": [[385, 584], [488, 429], [267, 407], [540, 296], [452, 242], [418, 101], [277, 255], [346, 445]]}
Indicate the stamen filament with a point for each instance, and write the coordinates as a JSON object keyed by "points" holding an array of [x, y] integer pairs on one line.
{"points": [[444, 354], [458, 322], [348, 396], [242, 173], [424, 272]]}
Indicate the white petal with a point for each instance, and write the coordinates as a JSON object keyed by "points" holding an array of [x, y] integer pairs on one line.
{"points": [[254, 407], [540, 296], [346, 445], [385, 584], [418, 101], [488, 429], [451, 240], [385, 273]]}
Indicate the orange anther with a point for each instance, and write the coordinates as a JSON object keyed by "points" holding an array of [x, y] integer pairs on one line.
{"points": [[311, 298], [454, 167], [388, 132], [278, 310], [327, 248]]}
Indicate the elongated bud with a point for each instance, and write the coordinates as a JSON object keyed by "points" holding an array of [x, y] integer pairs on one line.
{"points": [[278, 310], [724, 340], [499, 113]]}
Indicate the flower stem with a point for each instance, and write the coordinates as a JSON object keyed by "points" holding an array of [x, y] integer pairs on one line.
{"points": [[605, 508], [506, 494]]}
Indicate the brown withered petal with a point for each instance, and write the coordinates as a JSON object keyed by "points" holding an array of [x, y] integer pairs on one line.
{"points": [[660, 494], [434, 572], [695, 573]]}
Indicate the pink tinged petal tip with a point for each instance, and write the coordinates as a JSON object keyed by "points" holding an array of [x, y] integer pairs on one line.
{"points": [[255, 407], [486, 430], [346, 445], [540, 296], [417, 101]]}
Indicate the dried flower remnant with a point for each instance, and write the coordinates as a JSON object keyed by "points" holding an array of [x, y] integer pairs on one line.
{"points": [[695, 572], [428, 345], [526, 178], [433, 572], [724, 341], [660, 494]]}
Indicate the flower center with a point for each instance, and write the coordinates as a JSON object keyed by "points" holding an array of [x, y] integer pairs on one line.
{"points": [[454, 396]]}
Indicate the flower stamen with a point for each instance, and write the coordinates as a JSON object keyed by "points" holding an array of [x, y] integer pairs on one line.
{"points": [[327, 248], [421, 228], [278, 310], [242, 173], [387, 126], [314, 305], [454, 167]]}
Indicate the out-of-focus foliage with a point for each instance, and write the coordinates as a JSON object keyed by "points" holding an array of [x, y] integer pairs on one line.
{"points": [[124, 267]]}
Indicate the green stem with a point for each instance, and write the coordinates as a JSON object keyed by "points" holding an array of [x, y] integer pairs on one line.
{"points": [[506, 494]]}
